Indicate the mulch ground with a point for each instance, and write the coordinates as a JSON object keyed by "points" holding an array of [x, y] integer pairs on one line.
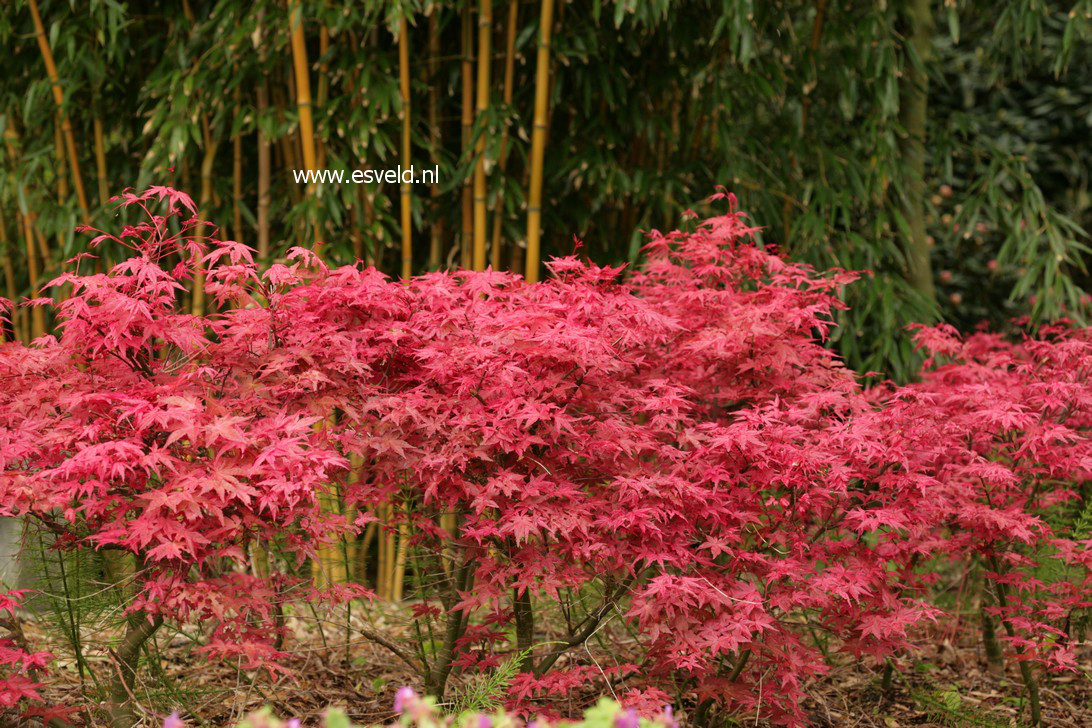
{"points": [[948, 686]]}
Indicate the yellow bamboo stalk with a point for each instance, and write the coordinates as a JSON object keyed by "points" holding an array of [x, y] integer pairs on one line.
{"points": [[348, 555], [400, 562], [392, 557], [43, 249], [62, 168], [211, 144], [100, 163], [187, 178], [436, 234], [237, 179], [288, 144], [320, 567], [58, 98], [381, 555], [407, 209], [361, 563], [62, 188], [9, 284], [263, 157], [237, 188], [9, 281], [36, 326], [330, 567], [485, 60], [467, 122], [538, 142], [303, 94], [37, 316], [259, 560], [361, 219], [21, 314], [303, 86], [557, 22], [502, 158], [323, 88], [373, 252], [264, 198], [450, 523]]}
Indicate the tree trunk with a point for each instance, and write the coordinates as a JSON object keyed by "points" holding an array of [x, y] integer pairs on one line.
{"points": [[995, 660], [1026, 673], [140, 628], [454, 629], [523, 612]]}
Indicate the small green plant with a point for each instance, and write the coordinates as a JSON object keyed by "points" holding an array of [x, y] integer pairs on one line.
{"points": [[487, 693], [947, 707]]}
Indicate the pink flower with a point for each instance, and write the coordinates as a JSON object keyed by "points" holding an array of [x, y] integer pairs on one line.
{"points": [[627, 719], [403, 698]]}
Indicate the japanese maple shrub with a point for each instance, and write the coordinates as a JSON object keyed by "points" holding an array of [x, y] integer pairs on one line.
{"points": [[147, 430], [672, 449], [996, 455]]}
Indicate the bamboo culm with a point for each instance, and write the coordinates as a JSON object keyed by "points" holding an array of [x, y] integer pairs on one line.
{"points": [[485, 60], [407, 209], [538, 143]]}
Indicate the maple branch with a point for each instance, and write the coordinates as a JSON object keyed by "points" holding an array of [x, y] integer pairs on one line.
{"points": [[740, 664], [592, 624], [137, 365], [398, 651], [49, 525], [1025, 668]]}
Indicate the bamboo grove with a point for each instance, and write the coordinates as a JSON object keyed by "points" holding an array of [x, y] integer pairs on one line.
{"points": [[855, 126]]}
